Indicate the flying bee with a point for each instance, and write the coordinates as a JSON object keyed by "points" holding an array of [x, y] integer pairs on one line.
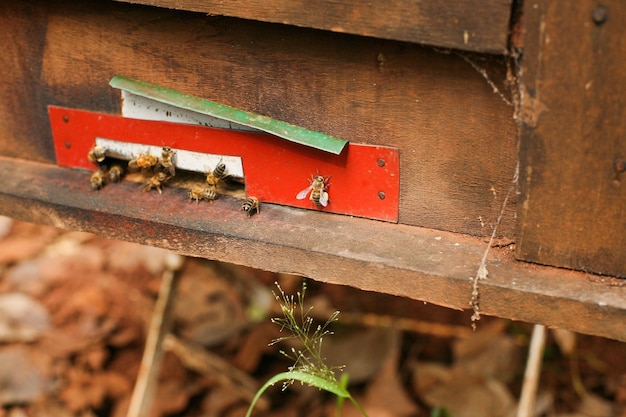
{"points": [[98, 179], [156, 181], [218, 174], [144, 161], [167, 161], [251, 205], [96, 154], [317, 188], [202, 193], [116, 173]]}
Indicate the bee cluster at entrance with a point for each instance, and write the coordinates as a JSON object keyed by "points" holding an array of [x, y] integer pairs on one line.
{"points": [[154, 172]]}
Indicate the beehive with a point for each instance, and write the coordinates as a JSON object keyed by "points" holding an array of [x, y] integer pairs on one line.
{"points": [[529, 144]]}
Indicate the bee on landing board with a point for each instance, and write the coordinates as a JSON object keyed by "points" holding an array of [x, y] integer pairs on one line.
{"points": [[317, 188], [156, 181], [116, 173], [202, 193], [251, 205], [166, 163], [98, 179], [144, 162], [217, 175], [96, 154]]}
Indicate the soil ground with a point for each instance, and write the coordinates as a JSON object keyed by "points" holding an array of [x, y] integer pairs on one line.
{"points": [[75, 309]]}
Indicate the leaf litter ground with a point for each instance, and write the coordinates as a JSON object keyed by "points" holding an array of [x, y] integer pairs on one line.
{"points": [[75, 308]]}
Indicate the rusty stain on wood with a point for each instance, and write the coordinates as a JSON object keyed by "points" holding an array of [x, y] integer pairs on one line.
{"points": [[413, 262], [573, 207]]}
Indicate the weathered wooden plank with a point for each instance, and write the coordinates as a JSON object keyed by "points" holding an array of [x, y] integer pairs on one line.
{"points": [[21, 97], [573, 202], [413, 262], [457, 138], [471, 25]]}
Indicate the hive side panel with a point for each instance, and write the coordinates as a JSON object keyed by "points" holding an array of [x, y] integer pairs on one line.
{"points": [[457, 138], [572, 211]]}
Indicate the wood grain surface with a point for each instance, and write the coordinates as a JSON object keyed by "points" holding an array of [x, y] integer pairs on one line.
{"points": [[573, 201], [471, 25]]}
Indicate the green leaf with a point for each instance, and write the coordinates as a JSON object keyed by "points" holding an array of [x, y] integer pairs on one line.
{"points": [[308, 379], [440, 412]]}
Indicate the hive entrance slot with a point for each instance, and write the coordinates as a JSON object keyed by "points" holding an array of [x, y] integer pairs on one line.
{"points": [[190, 170], [186, 160]]}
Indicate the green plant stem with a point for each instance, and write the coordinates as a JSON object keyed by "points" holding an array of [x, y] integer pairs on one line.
{"points": [[358, 406]]}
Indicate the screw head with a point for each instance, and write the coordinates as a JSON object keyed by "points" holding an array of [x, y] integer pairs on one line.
{"points": [[381, 162], [381, 195], [599, 15]]}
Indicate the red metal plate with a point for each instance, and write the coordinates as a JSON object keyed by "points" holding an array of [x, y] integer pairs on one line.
{"points": [[364, 178]]}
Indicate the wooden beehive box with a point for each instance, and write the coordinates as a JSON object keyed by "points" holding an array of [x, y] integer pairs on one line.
{"points": [[506, 117]]}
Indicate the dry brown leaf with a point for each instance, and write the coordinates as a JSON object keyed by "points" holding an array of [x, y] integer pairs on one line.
{"points": [[208, 310], [220, 399], [126, 256], [25, 241], [26, 277], [253, 345], [22, 380], [117, 385], [93, 358], [22, 318], [385, 395], [430, 375], [489, 353], [171, 397], [363, 352], [566, 340], [466, 397], [82, 390], [595, 406]]}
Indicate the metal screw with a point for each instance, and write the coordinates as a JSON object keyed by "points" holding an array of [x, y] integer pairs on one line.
{"points": [[68, 144], [381, 162], [66, 118], [599, 15], [619, 165], [381, 195]]}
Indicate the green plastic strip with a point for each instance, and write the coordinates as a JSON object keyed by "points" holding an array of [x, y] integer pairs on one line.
{"points": [[284, 130]]}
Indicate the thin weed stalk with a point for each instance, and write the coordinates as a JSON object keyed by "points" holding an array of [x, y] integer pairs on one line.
{"points": [[309, 366]]}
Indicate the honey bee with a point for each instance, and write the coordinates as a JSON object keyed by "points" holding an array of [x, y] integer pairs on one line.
{"points": [[202, 193], [251, 205], [317, 188], [144, 162], [116, 173], [156, 181], [98, 179], [218, 174], [167, 161], [96, 154]]}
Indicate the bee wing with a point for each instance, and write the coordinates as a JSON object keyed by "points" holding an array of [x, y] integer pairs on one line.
{"points": [[324, 198], [302, 194]]}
